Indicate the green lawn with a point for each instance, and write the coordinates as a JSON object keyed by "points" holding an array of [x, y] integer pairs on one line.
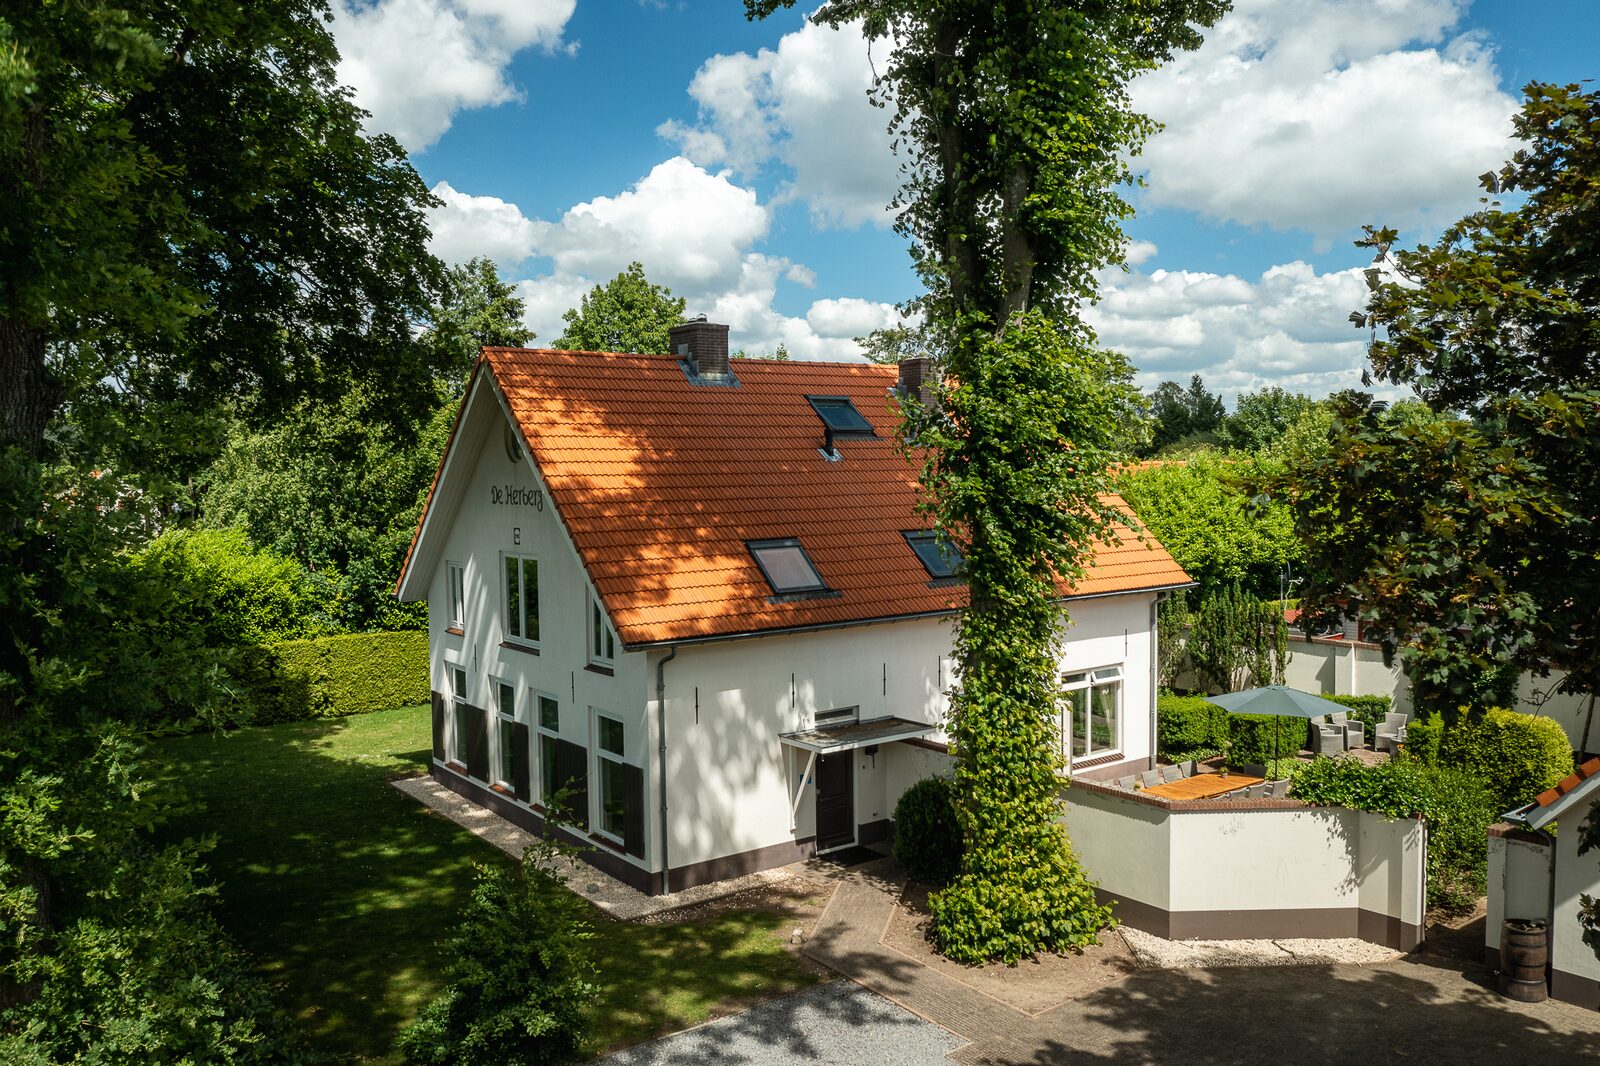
{"points": [[343, 888]]}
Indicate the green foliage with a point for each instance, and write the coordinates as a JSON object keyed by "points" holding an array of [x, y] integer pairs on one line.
{"points": [[1184, 416], [1423, 739], [626, 314], [328, 677], [1173, 618], [521, 974], [231, 592], [927, 834], [1263, 417], [476, 310], [1456, 806], [1201, 513], [1236, 641], [1516, 756], [1189, 727], [1264, 739], [1588, 906]]}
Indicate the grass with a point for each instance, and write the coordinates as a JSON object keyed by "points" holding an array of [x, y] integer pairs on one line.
{"points": [[343, 888]]}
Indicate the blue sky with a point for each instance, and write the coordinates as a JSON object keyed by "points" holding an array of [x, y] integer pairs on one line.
{"points": [[742, 165]]}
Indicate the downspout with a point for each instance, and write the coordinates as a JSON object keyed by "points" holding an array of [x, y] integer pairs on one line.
{"points": [[661, 752]]}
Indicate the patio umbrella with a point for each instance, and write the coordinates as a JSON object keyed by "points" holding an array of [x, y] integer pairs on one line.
{"points": [[1280, 701]]}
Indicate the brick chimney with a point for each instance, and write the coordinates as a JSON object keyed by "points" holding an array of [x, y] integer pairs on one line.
{"points": [[916, 379], [703, 347]]}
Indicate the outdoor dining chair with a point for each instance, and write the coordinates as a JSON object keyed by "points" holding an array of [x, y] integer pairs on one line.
{"points": [[1171, 773], [1392, 731], [1355, 734], [1326, 739], [1150, 778], [1126, 783], [1187, 767]]}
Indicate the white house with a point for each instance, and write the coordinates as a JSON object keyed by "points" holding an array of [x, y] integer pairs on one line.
{"points": [[699, 596]]}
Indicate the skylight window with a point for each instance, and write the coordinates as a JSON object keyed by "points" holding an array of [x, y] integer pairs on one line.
{"points": [[939, 557], [786, 566], [841, 416]]}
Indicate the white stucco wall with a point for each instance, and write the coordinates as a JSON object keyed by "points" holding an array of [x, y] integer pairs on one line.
{"points": [[1574, 875], [1344, 668], [1518, 884]]}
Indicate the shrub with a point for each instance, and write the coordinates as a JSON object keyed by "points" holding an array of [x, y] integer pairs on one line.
{"points": [[1260, 738], [328, 677], [1456, 805], [233, 592], [927, 836], [1422, 739], [1189, 727], [1517, 755], [520, 972]]}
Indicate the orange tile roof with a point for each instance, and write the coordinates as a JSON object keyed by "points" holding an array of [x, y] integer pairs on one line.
{"points": [[660, 483], [1568, 783]]}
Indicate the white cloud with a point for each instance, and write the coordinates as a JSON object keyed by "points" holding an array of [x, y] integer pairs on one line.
{"points": [[414, 63], [1306, 114], [802, 105], [694, 231], [465, 227], [1289, 327]]}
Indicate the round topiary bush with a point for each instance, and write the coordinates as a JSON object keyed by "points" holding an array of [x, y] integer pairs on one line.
{"points": [[927, 837], [1516, 755]]}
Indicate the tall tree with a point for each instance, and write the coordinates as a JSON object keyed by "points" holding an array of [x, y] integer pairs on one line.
{"points": [[475, 310], [1184, 415], [1262, 417], [191, 214], [1017, 128], [1472, 542], [626, 314]]}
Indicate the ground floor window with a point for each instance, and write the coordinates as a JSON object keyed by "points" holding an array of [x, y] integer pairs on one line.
{"points": [[1091, 713], [458, 714], [505, 733], [612, 742], [549, 724]]}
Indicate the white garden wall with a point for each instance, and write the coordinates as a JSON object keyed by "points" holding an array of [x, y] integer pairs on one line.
{"points": [[1251, 868]]}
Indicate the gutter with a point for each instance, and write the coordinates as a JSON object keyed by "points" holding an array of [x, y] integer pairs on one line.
{"points": [[661, 753]]}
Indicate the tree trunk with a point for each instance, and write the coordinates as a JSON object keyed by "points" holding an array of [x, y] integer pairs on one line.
{"points": [[29, 392], [1583, 745]]}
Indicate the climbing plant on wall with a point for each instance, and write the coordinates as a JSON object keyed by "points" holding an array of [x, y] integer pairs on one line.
{"points": [[1236, 640]]}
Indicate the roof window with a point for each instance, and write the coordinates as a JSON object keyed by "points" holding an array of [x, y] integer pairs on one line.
{"points": [[786, 566], [840, 415], [939, 556]]}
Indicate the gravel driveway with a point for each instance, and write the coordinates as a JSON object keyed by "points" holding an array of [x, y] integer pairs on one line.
{"points": [[838, 1023]]}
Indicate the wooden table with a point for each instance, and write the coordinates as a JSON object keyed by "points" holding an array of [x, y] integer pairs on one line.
{"points": [[1202, 786]]}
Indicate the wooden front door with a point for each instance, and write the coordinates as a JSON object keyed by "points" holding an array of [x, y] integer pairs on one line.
{"points": [[836, 808]]}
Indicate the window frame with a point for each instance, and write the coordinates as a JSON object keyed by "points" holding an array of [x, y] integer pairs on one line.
{"points": [[756, 547], [458, 707], [521, 636], [602, 637], [501, 759], [456, 595], [598, 756], [819, 404], [1113, 676], [538, 790], [913, 537]]}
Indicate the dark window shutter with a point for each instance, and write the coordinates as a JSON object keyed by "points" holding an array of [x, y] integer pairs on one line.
{"points": [[478, 742], [519, 762], [633, 810], [572, 774], [438, 726]]}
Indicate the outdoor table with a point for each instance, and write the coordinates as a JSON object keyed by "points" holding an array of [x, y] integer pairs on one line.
{"points": [[1202, 786]]}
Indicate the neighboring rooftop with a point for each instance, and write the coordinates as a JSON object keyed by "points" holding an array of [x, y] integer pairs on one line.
{"points": [[663, 486]]}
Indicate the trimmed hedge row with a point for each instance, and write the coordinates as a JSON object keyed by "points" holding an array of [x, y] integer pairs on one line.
{"points": [[1264, 739], [329, 677], [1189, 727]]}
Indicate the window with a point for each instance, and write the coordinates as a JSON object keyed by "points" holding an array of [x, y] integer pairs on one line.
{"points": [[841, 416], [505, 734], [459, 713], [938, 555], [522, 598], [786, 566], [549, 724], [610, 737], [602, 641], [1091, 712], [458, 595]]}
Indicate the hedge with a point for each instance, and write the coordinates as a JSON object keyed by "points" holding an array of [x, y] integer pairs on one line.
{"points": [[1256, 738], [927, 834], [1189, 727], [1516, 755], [328, 677]]}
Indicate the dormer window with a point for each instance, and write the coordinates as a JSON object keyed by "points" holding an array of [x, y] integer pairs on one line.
{"points": [[786, 566], [938, 556], [840, 415]]}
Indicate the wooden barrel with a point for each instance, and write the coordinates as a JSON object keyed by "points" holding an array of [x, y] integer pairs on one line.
{"points": [[1524, 953]]}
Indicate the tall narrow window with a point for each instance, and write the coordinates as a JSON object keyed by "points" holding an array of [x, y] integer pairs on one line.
{"points": [[458, 709], [505, 733], [522, 598], [613, 785], [549, 724], [458, 596], [602, 641], [1091, 713]]}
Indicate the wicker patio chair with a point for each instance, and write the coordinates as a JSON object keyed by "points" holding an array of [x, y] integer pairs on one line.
{"points": [[1392, 729], [1171, 773], [1326, 739], [1355, 734]]}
